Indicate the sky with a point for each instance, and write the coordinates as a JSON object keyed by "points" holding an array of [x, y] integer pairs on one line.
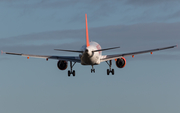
{"points": [[148, 83]]}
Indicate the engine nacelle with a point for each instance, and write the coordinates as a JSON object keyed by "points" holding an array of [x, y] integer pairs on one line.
{"points": [[121, 62], [62, 65]]}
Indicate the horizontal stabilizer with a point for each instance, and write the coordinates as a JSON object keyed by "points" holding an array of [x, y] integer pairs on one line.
{"points": [[106, 49], [69, 50]]}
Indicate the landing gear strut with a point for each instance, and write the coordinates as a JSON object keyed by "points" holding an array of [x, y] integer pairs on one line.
{"points": [[92, 70], [110, 70], [71, 71]]}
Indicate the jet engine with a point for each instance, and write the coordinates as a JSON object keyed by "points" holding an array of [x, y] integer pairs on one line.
{"points": [[121, 62], [62, 65]]}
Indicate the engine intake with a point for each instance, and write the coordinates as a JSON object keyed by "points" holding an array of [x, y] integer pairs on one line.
{"points": [[62, 65], [121, 62]]}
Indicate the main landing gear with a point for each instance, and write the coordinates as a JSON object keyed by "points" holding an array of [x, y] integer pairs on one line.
{"points": [[110, 70], [92, 70], [71, 71]]}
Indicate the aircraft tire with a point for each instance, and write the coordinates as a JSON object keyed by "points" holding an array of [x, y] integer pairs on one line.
{"points": [[112, 71], [73, 73], [107, 71], [69, 73]]}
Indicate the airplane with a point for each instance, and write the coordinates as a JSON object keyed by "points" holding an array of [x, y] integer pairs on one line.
{"points": [[90, 54]]}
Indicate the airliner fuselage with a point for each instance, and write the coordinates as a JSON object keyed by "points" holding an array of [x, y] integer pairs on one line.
{"points": [[88, 57]]}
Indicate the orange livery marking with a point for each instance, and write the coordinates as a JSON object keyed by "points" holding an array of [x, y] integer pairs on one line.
{"points": [[87, 35]]}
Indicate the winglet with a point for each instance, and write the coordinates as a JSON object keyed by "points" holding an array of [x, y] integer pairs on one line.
{"points": [[87, 35]]}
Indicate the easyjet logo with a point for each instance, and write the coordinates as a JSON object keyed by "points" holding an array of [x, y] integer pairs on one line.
{"points": [[98, 48]]}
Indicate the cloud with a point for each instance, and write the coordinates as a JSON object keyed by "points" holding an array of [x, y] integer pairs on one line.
{"points": [[130, 37], [46, 49], [83, 3], [119, 11], [46, 37], [174, 15], [58, 3], [140, 32], [100, 7], [150, 2]]}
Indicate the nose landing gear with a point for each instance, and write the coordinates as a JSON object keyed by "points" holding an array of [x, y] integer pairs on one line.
{"points": [[92, 70]]}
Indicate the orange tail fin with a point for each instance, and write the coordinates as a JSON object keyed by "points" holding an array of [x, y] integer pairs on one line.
{"points": [[87, 35]]}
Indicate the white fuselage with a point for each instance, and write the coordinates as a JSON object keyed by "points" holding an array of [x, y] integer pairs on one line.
{"points": [[88, 57]]}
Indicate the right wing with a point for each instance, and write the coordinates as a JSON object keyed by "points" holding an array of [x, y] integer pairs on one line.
{"points": [[111, 57], [67, 58]]}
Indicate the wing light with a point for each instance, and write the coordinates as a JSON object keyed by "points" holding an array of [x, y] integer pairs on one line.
{"points": [[2, 52], [133, 56]]}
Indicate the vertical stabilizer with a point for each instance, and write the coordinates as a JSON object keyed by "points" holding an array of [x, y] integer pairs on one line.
{"points": [[87, 35]]}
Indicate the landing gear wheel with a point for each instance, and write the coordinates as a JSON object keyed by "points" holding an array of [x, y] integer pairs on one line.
{"points": [[107, 71], [73, 73], [92, 70], [69, 73], [112, 71]]}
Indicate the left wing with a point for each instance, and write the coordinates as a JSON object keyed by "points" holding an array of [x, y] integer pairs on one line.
{"points": [[67, 58], [111, 57]]}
